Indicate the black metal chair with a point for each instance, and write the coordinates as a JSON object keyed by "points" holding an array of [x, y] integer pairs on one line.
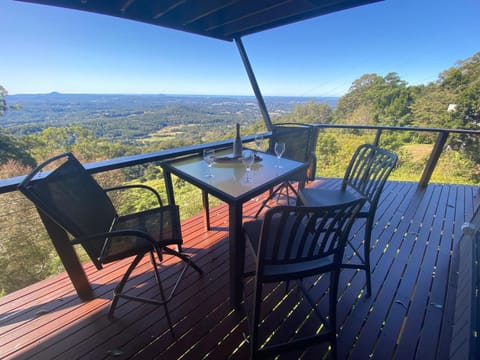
{"points": [[300, 142], [71, 198], [295, 243], [365, 176]]}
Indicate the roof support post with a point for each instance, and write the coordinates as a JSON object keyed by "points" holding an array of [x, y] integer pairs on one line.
{"points": [[68, 256], [433, 159], [253, 82]]}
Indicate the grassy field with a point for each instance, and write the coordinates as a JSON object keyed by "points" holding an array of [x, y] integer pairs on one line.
{"points": [[168, 133], [418, 152]]}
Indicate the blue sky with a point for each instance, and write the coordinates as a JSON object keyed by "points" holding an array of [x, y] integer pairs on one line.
{"points": [[46, 49]]}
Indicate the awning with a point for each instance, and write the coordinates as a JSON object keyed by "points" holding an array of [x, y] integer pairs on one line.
{"points": [[221, 19]]}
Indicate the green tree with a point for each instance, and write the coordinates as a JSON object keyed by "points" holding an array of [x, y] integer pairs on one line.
{"points": [[431, 108], [328, 149], [3, 102], [357, 95], [10, 148], [310, 113], [387, 99], [26, 254], [82, 142], [362, 115], [462, 83]]}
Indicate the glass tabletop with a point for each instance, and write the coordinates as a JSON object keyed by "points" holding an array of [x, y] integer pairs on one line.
{"points": [[230, 178]]}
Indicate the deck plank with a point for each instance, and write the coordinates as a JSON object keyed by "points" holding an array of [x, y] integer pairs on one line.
{"points": [[364, 324], [440, 273], [412, 242], [410, 258]]}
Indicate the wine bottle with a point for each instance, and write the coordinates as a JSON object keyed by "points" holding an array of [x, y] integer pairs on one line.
{"points": [[237, 143]]}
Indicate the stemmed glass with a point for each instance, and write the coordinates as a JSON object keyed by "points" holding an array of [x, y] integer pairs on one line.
{"points": [[259, 142], [209, 158], [248, 157], [279, 150]]}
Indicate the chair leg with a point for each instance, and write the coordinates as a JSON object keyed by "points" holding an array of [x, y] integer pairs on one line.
{"points": [[283, 186], [188, 262], [331, 322], [184, 257], [295, 192], [365, 259], [164, 300], [119, 288], [257, 307], [334, 279], [270, 197], [162, 293], [366, 256]]}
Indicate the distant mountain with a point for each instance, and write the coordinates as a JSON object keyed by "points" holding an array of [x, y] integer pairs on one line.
{"points": [[54, 108], [110, 114]]}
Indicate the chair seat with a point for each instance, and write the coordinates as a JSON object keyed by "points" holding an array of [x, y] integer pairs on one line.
{"points": [[291, 271], [329, 197], [278, 272], [157, 223]]}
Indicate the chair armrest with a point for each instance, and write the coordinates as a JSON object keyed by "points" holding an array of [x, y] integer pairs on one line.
{"points": [[136, 186]]}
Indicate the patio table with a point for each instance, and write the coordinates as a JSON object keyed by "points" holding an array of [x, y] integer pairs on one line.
{"points": [[230, 185]]}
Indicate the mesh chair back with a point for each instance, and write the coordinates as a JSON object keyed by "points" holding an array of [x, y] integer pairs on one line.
{"points": [[67, 195], [300, 142], [294, 240], [368, 171]]}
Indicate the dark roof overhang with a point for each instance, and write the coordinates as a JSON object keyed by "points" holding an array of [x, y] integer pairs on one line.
{"points": [[220, 19]]}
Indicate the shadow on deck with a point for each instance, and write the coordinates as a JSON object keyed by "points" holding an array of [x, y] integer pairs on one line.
{"points": [[407, 316]]}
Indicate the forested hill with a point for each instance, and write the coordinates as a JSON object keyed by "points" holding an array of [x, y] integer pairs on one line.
{"points": [[105, 126], [137, 116]]}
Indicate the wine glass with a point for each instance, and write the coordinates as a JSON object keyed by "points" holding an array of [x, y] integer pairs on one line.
{"points": [[248, 157], [259, 142], [279, 150], [209, 158]]}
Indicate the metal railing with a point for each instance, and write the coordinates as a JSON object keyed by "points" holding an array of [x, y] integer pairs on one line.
{"points": [[10, 185], [439, 145]]}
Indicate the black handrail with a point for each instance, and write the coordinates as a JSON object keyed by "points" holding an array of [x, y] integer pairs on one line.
{"points": [[9, 185]]}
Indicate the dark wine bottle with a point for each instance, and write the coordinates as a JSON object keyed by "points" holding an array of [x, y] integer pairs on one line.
{"points": [[237, 143]]}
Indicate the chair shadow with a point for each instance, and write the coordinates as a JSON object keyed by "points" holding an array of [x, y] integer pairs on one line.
{"points": [[100, 291]]}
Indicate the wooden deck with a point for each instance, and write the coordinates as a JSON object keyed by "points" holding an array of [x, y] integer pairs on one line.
{"points": [[407, 316]]}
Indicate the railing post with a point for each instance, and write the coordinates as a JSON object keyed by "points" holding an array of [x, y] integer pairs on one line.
{"points": [[377, 137], [69, 258], [432, 161]]}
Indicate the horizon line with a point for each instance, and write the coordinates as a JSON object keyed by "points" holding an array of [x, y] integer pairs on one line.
{"points": [[168, 94]]}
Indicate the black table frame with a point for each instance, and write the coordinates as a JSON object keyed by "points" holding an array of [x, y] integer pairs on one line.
{"points": [[235, 204]]}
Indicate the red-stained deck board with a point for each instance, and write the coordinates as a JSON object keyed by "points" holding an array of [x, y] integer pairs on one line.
{"points": [[381, 261], [411, 259], [413, 236]]}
